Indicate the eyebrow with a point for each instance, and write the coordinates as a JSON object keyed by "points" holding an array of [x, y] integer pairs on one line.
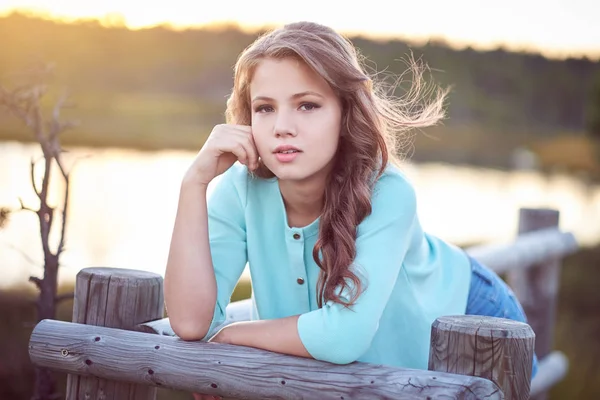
{"points": [[294, 96]]}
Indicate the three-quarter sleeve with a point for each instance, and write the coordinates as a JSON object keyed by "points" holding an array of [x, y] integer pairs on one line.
{"points": [[227, 237], [341, 335]]}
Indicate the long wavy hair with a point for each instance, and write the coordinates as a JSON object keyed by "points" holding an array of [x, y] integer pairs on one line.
{"points": [[375, 130]]}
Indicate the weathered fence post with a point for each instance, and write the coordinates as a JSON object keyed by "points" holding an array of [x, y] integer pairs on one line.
{"points": [[115, 298], [497, 349], [537, 287]]}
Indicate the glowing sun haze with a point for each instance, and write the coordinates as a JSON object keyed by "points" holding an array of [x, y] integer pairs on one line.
{"points": [[553, 27]]}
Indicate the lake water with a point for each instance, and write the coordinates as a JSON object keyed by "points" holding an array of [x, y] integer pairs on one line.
{"points": [[123, 204]]}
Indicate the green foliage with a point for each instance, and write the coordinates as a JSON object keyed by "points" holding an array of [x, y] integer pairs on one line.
{"points": [[157, 88], [493, 88]]}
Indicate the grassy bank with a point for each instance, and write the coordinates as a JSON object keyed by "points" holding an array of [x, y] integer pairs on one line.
{"points": [[577, 330]]}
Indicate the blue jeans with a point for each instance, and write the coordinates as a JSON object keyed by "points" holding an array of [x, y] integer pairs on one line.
{"points": [[489, 295]]}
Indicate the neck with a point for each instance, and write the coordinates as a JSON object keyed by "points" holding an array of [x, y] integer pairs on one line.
{"points": [[303, 200]]}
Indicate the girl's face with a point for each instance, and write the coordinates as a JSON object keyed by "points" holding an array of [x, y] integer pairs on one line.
{"points": [[296, 119]]}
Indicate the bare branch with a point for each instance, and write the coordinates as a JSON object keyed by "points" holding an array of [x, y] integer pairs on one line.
{"points": [[25, 208], [55, 125], [35, 280], [59, 104], [8, 102], [35, 189], [63, 297], [63, 171], [24, 102], [65, 205], [46, 178]]}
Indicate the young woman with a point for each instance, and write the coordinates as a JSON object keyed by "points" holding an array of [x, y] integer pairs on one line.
{"points": [[311, 198]]}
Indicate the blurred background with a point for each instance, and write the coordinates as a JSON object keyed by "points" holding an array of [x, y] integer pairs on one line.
{"points": [[147, 83]]}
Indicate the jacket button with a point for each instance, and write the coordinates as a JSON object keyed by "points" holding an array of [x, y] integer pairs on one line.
{"points": [[296, 236], [300, 281]]}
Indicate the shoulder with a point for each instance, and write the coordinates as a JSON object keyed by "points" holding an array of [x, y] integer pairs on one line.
{"points": [[393, 204], [393, 194], [233, 182]]}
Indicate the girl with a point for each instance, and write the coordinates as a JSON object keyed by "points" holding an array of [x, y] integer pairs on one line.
{"points": [[341, 269]]}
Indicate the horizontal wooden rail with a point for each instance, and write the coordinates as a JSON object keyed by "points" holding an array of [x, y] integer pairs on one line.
{"points": [[236, 371], [551, 368], [527, 250]]}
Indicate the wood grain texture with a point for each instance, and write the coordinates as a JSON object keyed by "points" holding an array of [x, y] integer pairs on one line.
{"points": [[116, 298], [526, 251], [497, 349], [537, 287], [234, 371]]}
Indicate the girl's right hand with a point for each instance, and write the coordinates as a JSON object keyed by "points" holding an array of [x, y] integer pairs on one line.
{"points": [[226, 144]]}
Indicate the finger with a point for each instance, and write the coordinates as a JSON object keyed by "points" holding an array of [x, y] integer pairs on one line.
{"points": [[247, 141], [241, 143], [243, 128], [239, 150], [251, 151]]}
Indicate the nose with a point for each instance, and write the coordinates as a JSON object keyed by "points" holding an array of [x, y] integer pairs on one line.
{"points": [[284, 125]]}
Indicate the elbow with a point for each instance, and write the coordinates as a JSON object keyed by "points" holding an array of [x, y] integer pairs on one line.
{"points": [[191, 328], [190, 331], [347, 346], [191, 334], [348, 355], [336, 340], [343, 358]]}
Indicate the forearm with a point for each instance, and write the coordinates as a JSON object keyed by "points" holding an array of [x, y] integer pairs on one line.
{"points": [[277, 335], [190, 289]]}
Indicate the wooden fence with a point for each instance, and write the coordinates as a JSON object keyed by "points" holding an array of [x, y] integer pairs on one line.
{"points": [[119, 346]]}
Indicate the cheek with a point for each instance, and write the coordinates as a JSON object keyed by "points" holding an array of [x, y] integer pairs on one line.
{"points": [[259, 131], [331, 130]]}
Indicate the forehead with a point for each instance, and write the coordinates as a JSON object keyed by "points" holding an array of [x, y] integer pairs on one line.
{"points": [[283, 77]]}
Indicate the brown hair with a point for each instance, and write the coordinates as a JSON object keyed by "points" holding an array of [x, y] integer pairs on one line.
{"points": [[374, 128]]}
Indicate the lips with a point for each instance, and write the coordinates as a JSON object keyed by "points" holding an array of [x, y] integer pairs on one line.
{"points": [[286, 153], [286, 149]]}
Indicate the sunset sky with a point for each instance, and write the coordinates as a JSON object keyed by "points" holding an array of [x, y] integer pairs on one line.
{"points": [[554, 27]]}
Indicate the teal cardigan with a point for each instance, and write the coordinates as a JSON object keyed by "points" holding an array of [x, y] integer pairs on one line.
{"points": [[409, 277]]}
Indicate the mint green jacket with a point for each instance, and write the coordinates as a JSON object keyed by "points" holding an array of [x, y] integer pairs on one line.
{"points": [[409, 277]]}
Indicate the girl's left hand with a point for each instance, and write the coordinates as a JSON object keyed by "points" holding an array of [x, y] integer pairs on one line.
{"points": [[221, 337]]}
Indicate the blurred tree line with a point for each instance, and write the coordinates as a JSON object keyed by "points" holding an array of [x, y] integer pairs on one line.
{"points": [[145, 86]]}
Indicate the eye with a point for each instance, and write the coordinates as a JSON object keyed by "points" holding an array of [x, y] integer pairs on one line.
{"points": [[263, 108], [309, 106]]}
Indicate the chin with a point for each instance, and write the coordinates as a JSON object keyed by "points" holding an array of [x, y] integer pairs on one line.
{"points": [[289, 173]]}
